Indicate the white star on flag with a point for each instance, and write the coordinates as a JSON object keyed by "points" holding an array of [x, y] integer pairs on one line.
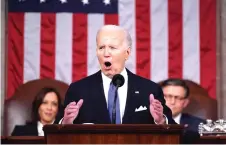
{"points": [[42, 1], [85, 2], [63, 1], [107, 2]]}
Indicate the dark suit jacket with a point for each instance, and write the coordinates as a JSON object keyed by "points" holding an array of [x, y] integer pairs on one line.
{"points": [[29, 129], [94, 108], [192, 121], [190, 135]]}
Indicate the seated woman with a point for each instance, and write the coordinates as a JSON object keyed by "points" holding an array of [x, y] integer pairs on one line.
{"points": [[45, 107]]}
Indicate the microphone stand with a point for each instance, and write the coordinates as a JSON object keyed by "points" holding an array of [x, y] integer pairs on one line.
{"points": [[114, 106]]}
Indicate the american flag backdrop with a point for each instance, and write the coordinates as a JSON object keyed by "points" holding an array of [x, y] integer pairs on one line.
{"points": [[56, 39]]}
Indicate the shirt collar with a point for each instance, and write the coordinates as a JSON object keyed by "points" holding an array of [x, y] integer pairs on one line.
{"points": [[40, 128], [40, 131], [177, 118]]}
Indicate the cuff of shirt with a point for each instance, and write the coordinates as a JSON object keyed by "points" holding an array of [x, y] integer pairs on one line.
{"points": [[165, 118]]}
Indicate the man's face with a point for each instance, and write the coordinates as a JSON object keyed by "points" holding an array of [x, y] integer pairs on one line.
{"points": [[112, 47], [174, 96]]}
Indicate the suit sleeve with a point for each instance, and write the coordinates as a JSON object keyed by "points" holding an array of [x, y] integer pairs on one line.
{"points": [[71, 95]]}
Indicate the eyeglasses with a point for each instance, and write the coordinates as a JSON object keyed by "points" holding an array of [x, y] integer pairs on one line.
{"points": [[177, 98]]}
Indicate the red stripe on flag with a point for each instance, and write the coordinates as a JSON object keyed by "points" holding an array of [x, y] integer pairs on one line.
{"points": [[15, 59], [111, 19], [175, 38], [80, 30], [143, 44], [48, 31], [208, 46]]}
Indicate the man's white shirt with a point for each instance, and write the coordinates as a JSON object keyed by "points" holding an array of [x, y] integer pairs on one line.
{"points": [[122, 91], [177, 118]]}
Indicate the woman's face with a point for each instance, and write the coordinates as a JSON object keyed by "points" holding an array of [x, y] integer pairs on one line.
{"points": [[49, 108]]}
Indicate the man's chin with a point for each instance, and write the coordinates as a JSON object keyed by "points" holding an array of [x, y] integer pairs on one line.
{"points": [[175, 114], [108, 73]]}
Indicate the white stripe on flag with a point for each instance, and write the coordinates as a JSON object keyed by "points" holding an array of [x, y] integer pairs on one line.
{"points": [[159, 40], [95, 22], [63, 57], [191, 54], [127, 15], [32, 29]]}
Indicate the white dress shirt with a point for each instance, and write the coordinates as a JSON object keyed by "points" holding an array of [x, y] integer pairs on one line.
{"points": [[122, 91], [177, 118], [40, 128]]}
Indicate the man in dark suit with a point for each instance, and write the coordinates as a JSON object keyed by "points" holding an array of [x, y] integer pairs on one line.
{"points": [[140, 100], [176, 94]]}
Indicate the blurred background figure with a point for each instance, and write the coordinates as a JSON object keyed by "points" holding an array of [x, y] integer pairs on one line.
{"points": [[176, 94], [45, 107]]}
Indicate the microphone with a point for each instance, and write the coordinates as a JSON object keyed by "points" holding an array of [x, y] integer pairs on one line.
{"points": [[118, 81], [107, 64]]}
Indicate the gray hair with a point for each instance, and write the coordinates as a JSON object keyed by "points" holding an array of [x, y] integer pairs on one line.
{"points": [[128, 37]]}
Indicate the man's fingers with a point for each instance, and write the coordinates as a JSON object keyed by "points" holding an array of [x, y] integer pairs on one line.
{"points": [[158, 113], [156, 101], [68, 111], [157, 105], [80, 102], [71, 111], [71, 115], [157, 109], [151, 98], [72, 107]]}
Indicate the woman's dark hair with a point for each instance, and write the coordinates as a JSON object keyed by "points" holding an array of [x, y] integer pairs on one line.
{"points": [[38, 101]]}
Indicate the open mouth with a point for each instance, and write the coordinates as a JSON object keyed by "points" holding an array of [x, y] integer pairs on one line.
{"points": [[107, 65]]}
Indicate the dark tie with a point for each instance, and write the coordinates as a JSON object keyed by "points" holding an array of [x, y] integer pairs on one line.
{"points": [[111, 97]]}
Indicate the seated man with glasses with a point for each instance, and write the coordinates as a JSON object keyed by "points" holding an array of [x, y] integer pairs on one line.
{"points": [[176, 94]]}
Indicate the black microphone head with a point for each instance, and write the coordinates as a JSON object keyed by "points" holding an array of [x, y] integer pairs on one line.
{"points": [[107, 64], [118, 80]]}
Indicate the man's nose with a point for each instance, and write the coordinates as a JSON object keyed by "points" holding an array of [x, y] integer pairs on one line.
{"points": [[106, 52], [172, 101]]}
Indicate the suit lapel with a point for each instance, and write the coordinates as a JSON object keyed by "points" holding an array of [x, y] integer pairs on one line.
{"points": [[129, 100], [183, 119], [102, 110]]}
